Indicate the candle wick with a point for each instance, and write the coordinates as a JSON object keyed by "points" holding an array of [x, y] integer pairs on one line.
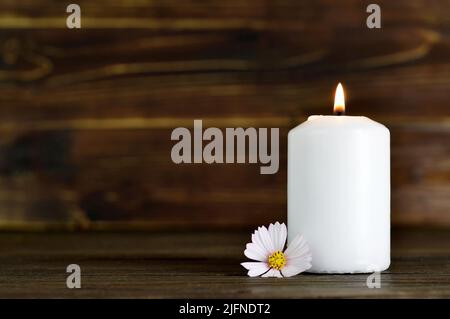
{"points": [[339, 112]]}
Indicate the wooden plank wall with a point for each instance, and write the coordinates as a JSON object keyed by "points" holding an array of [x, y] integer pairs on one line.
{"points": [[86, 115]]}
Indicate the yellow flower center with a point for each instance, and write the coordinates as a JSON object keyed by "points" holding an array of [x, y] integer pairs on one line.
{"points": [[277, 260]]}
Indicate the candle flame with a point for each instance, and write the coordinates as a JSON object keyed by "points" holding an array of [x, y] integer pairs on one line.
{"points": [[339, 100]]}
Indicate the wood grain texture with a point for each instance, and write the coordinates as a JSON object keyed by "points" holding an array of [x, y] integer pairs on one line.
{"points": [[202, 265], [86, 115]]}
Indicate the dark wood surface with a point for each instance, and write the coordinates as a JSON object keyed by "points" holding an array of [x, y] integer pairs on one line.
{"points": [[86, 115], [202, 265]]}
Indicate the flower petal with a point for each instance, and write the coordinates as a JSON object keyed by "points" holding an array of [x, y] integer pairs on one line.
{"points": [[278, 233], [255, 252], [294, 269], [255, 268], [265, 239], [298, 257], [273, 233], [282, 236], [272, 273], [297, 248], [257, 240]]}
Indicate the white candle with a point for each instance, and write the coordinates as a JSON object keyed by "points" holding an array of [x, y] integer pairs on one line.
{"points": [[339, 191]]}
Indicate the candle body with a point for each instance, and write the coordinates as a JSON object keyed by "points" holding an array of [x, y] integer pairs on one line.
{"points": [[339, 192]]}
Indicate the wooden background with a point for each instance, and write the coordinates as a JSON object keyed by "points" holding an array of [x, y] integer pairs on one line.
{"points": [[86, 115]]}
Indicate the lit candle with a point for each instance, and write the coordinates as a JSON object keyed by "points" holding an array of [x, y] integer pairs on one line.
{"points": [[339, 191]]}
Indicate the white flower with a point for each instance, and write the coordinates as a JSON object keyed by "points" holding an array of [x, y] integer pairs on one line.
{"points": [[267, 248]]}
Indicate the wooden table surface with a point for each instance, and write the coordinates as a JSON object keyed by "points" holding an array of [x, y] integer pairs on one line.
{"points": [[201, 265]]}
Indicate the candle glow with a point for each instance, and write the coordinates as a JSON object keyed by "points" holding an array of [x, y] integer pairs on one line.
{"points": [[339, 100]]}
